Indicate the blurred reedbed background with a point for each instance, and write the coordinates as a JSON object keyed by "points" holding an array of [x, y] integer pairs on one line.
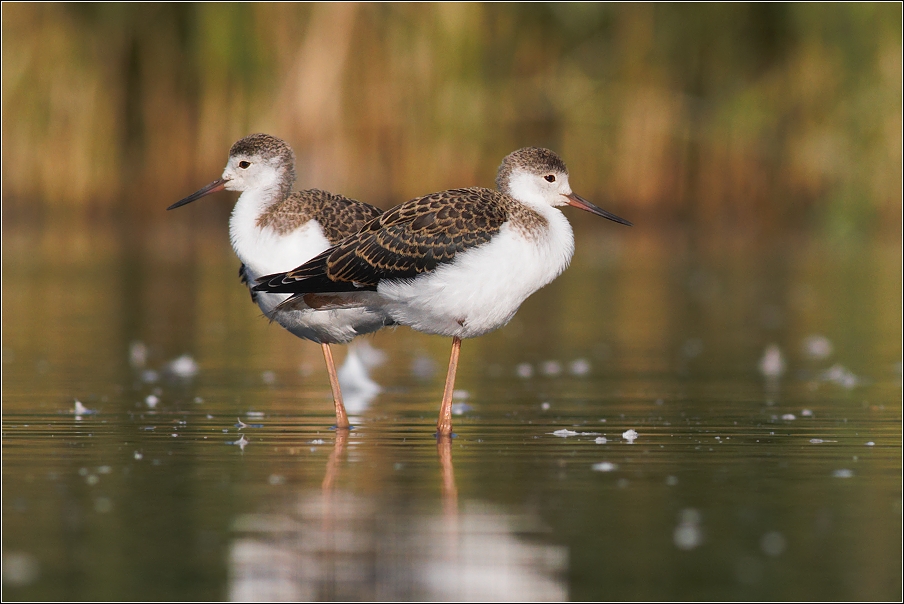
{"points": [[161, 441], [752, 117]]}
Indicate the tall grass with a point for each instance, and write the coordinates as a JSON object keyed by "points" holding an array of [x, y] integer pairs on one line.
{"points": [[715, 114]]}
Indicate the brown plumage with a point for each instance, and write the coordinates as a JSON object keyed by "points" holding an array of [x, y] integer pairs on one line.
{"points": [[339, 216], [408, 240]]}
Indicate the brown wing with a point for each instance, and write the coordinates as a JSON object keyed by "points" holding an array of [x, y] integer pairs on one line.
{"points": [[339, 216], [415, 237], [410, 239]]}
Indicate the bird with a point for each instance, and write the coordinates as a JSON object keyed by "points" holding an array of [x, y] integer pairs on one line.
{"points": [[275, 229], [457, 263]]}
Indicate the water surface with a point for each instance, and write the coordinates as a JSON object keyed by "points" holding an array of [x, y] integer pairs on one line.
{"points": [[162, 441]]}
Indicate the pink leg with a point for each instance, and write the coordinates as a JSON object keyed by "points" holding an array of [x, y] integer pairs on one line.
{"points": [[341, 417], [444, 423]]}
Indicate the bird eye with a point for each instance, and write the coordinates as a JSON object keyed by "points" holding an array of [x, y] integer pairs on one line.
{"points": [[244, 164], [550, 178]]}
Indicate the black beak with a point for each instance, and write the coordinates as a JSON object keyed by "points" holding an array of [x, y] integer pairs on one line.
{"points": [[579, 202], [217, 185]]}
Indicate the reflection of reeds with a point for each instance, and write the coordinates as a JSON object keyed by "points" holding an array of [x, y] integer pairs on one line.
{"points": [[717, 113]]}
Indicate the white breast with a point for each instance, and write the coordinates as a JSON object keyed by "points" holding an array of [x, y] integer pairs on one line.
{"points": [[263, 251], [482, 289]]}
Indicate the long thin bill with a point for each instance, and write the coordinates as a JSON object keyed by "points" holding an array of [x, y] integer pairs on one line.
{"points": [[579, 202], [217, 185]]}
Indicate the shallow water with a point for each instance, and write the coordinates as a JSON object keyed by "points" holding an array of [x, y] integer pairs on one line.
{"points": [[218, 476]]}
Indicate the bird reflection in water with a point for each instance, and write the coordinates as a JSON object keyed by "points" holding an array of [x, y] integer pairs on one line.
{"points": [[339, 544]]}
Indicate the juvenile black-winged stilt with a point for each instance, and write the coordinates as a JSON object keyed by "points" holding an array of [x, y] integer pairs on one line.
{"points": [[457, 263], [275, 229]]}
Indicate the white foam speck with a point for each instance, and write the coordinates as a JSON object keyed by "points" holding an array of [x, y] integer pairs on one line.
{"points": [[600, 440], [524, 370], [630, 435], [183, 367], [19, 568], [817, 346], [806, 413], [461, 408], [772, 364], [843, 473], [688, 535], [564, 432], [579, 367], [151, 400], [604, 466], [789, 417], [842, 376], [544, 406], [551, 368], [870, 444]]}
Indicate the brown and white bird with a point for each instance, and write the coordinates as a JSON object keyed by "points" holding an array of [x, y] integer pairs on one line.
{"points": [[275, 229], [457, 263]]}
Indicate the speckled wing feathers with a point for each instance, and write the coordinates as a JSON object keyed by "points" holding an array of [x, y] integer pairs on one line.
{"points": [[410, 239], [339, 216]]}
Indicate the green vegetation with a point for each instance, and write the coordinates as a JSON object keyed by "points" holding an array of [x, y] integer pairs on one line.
{"points": [[752, 115]]}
